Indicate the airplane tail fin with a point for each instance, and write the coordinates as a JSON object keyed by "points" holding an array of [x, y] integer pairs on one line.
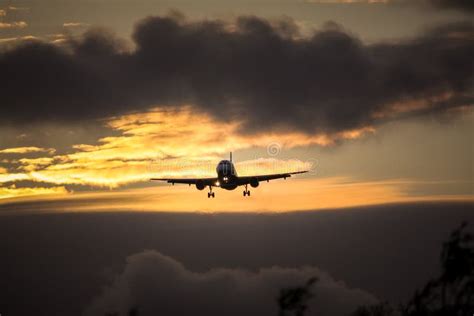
{"points": [[230, 156]]}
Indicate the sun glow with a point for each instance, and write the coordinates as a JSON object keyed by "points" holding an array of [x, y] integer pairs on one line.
{"points": [[158, 143], [280, 196]]}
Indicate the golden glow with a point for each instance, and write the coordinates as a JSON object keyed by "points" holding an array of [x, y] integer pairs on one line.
{"points": [[161, 143], [178, 143], [12, 177], [14, 192], [279, 196], [26, 150]]}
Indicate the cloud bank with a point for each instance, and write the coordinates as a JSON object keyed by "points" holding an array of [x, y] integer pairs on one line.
{"points": [[466, 5], [159, 285], [462, 5], [260, 72]]}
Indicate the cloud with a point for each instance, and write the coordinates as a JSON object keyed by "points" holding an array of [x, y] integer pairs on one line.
{"points": [[14, 8], [463, 5], [15, 192], [146, 146], [75, 24], [160, 285], [15, 40], [13, 25], [26, 150], [392, 255], [10, 42], [12, 177], [252, 70], [157, 143]]}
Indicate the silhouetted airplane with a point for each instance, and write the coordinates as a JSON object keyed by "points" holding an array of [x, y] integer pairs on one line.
{"points": [[228, 179]]}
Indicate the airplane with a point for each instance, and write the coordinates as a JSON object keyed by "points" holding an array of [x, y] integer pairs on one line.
{"points": [[228, 179]]}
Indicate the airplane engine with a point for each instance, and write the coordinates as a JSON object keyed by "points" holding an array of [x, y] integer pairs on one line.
{"points": [[200, 185], [254, 183]]}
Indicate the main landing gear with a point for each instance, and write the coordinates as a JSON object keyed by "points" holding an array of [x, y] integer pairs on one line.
{"points": [[246, 192], [210, 193]]}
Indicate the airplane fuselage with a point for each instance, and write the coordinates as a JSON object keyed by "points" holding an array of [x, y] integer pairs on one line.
{"points": [[227, 175]]}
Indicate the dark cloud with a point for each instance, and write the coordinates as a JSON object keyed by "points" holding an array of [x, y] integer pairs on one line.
{"points": [[159, 285], [263, 73], [466, 5], [56, 264]]}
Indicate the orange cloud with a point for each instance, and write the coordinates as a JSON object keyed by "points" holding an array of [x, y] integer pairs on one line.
{"points": [[163, 143], [26, 150], [21, 38], [35, 163], [75, 24], [156, 143], [13, 25], [13, 177], [14, 192], [411, 105]]}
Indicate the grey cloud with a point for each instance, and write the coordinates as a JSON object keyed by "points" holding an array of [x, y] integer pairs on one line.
{"points": [[467, 5], [56, 263], [260, 72], [159, 285], [462, 5]]}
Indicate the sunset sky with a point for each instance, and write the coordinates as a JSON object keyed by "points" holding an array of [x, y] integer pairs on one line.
{"points": [[99, 96], [375, 98]]}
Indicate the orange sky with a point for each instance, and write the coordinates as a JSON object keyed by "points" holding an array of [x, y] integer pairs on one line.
{"points": [[116, 170], [293, 194], [423, 161], [153, 144]]}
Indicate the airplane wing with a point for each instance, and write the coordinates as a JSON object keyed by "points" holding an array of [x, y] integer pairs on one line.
{"points": [[203, 181], [268, 177]]}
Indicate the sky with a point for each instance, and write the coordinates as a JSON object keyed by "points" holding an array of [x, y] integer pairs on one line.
{"points": [[99, 96], [374, 97]]}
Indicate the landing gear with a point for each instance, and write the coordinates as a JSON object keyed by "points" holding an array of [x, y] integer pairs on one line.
{"points": [[210, 193], [246, 192]]}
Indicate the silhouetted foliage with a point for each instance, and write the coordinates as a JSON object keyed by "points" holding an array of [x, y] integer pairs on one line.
{"points": [[451, 294], [293, 301]]}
